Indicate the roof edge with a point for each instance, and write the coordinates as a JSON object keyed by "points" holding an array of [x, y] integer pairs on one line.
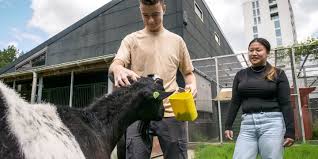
{"points": [[62, 33]]}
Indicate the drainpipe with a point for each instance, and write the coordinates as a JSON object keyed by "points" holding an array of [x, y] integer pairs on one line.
{"points": [[71, 89], [34, 82], [39, 99]]}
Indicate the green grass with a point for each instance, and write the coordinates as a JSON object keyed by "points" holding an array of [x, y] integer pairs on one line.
{"points": [[303, 151]]}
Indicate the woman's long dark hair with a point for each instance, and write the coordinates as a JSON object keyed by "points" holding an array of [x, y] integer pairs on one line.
{"points": [[271, 72]]}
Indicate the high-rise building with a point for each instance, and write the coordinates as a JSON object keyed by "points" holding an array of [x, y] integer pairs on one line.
{"points": [[270, 19]]}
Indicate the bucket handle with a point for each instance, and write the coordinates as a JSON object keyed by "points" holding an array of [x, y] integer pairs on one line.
{"points": [[180, 89]]}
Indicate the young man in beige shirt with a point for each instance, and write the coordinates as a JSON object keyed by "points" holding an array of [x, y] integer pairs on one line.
{"points": [[155, 50]]}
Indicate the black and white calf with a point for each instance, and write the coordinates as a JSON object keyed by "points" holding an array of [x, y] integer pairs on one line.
{"points": [[45, 131]]}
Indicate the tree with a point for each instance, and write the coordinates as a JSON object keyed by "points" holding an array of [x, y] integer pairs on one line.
{"points": [[307, 49], [8, 55]]}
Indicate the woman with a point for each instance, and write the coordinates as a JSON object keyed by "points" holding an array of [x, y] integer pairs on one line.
{"points": [[263, 92]]}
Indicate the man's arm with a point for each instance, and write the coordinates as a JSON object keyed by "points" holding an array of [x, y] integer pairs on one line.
{"points": [[121, 73], [190, 82]]}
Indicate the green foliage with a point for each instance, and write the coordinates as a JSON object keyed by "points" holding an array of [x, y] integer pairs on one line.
{"points": [[302, 151], [8, 55], [308, 47]]}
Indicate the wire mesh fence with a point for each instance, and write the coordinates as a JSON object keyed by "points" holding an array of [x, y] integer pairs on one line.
{"points": [[219, 72]]}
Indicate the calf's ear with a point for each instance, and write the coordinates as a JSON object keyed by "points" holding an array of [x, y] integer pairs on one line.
{"points": [[164, 95]]}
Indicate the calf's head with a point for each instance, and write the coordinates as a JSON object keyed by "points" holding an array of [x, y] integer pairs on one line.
{"points": [[152, 92]]}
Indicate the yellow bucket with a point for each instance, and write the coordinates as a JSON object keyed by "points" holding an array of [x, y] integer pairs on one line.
{"points": [[183, 106]]}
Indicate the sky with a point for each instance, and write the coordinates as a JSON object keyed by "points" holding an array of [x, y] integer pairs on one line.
{"points": [[27, 23]]}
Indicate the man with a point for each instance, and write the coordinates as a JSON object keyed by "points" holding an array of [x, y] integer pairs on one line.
{"points": [[155, 50]]}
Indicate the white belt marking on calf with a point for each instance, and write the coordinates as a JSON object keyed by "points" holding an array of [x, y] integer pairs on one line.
{"points": [[38, 129]]}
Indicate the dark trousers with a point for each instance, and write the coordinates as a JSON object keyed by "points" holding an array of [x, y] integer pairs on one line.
{"points": [[172, 138]]}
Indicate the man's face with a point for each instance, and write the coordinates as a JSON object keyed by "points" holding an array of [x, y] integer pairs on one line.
{"points": [[152, 16]]}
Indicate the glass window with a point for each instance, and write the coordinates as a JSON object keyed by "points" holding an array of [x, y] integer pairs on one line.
{"points": [[274, 17], [273, 9], [217, 38], [271, 1], [254, 29], [198, 10], [253, 3], [39, 61], [259, 20], [255, 21], [255, 35], [279, 41], [257, 5], [25, 66], [254, 13], [277, 24], [278, 32], [258, 12]]}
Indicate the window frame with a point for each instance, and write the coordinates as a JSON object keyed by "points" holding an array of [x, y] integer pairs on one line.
{"points": [[198, 9], [217, 38]]}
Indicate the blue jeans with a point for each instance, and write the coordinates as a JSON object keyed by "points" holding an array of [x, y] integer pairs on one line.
{"points": [[261, 133]]}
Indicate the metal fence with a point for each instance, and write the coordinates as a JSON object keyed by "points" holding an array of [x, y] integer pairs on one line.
{"points": [[83, 94], [302, 74]]}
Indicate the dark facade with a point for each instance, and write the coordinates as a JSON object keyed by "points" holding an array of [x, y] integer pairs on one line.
{"points": [[78, 57], [101, 32]]}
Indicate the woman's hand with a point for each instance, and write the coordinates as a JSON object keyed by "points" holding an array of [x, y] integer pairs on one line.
{"points": [[228, 134], [288, 142]]}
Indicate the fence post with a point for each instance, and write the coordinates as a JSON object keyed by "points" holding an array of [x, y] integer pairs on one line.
{"points": [[296, 89], [219, 104]]}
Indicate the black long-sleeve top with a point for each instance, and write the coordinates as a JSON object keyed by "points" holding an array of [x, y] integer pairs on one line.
{"points": [[254, 93]]}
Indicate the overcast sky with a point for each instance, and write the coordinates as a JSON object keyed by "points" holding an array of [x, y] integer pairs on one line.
{"points": [[27, 23]]}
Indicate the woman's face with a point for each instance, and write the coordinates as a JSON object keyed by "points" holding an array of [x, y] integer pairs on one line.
{"points": [[257, 54]]}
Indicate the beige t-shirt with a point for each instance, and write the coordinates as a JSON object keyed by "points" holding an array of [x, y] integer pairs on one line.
{"points": [[161, 53]]}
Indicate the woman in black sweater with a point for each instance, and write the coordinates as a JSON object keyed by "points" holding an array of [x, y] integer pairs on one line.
{"points": [[263, 92]]}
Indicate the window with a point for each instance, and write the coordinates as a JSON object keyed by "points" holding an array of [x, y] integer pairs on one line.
{"points": [[254, 29], [257, 4], [276, 23], [254, 13], [24, 66], [255, 21], [273, 8], [278, 32], [258, 12], [198, 10], [35, 60], [253, 3], [279, 41], [255, 35], [217, 38], [38, 61], [259, 20], [271, 1], [274, 16]]}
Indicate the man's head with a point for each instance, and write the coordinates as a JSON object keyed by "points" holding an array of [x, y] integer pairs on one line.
{"points": [[152, 14]]}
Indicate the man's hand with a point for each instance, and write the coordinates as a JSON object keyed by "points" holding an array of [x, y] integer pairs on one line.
{"points": [[122, 75], [193, 89], [288, 142], [228, 134], [190, 83]]}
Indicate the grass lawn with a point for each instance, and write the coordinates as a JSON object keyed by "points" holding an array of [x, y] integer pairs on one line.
{"points": [[301, 151]]}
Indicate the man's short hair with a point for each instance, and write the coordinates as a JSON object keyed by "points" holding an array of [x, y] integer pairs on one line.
{"points": [[151, 2]]}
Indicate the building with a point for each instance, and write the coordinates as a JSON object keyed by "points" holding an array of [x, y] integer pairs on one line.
{"points": [[71, 67], [270, 19]]}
